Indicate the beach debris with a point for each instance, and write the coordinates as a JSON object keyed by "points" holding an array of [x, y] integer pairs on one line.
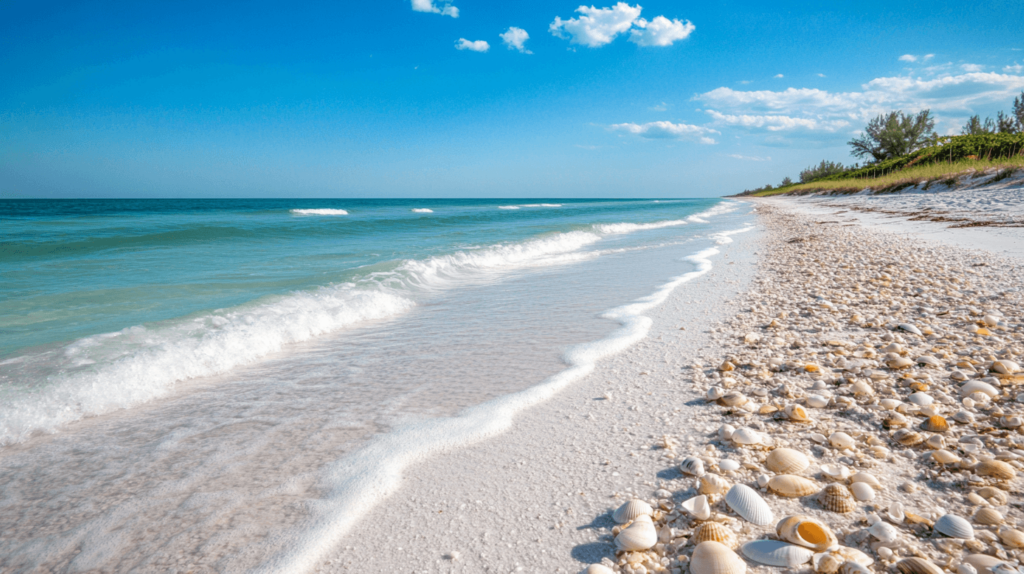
{"points": [[745, 502], [807, 532], [631, 510], [787, 461], [776, 553], [837, 498], [716, 532], [639, 535], [712, 557]]}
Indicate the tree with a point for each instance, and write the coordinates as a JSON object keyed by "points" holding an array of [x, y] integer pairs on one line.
{"points": [[976, 127], [823, 169], [894, 134], [1018, 111], [786, 181], [1006, 124]]}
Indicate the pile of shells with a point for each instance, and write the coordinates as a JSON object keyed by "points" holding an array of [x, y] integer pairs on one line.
{"points": [[866, 416]]}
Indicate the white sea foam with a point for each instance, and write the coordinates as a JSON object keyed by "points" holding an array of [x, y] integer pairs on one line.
{"points": [[422, 210], [355, 484], [618, 228], [319, 212], [508, 207], [725, 237]]}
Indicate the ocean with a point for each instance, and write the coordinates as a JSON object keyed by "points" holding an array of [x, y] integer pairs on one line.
{"points": [[230, 384]]}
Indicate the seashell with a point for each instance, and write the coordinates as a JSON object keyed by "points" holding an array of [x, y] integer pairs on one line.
{"points": [[994, 495], [943, 456], [829, 562], [835, 471], [971, 387], [919, 386], [983, 563], [996, 469], [889, 404], [1010, 422], [884, 531], [964, 418], [935, 442], [929, 361], [697, 507], [717, 532], [910, 328], [640, 535], [957, 375], [862, 491], [907, 437], [744, 501], [787, 461], [776, 553], [727, 366], [631, 510], [899, 363], [710, 557], [746, 436], [837, 498], [817, 401], [914, 565], [727, 465], [731, 399], [988, 516], [812, 368], [1005, 367], [715, 393], [841, 440], [797, 414], [693, 466], [762, 480], [792, 486], [895, 513], [935, 423], [725, 432], [894, 420], [921, 399], [866, 477], [712, 484], [598, 569], [862, 389], [1011, 537], [954, 526], [807, 532]]}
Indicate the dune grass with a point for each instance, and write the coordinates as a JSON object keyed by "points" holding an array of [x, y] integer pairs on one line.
{"points": [[907, 177]]}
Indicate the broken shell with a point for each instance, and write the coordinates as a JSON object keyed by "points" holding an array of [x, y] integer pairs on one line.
{"points": [[841, 440], [837, 498], [921, 399], [862, 491], [943, 456], [717, 532], [835, 471], [935, 423], [640, 535], [910, 328], [954, 526], [1005, 367], [697, 507], [829, 562], [712, 557], [712, 484], [983, 563], [866, 477], [598, 569], [884, 531], [899, 363], [1011, 537], [631, 510], [792, 486], [787, 461], [994, 495], [775, 553], [797, 414], [889, 404], [744, 501], [693, 466], [807, 532], [914, 565], [988, 516], [895, 513], [935, 441], [746, 436], [996, 469]]}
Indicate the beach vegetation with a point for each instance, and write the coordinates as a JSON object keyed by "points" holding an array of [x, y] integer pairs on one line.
{"points": [[823, 169], [894, 134]]}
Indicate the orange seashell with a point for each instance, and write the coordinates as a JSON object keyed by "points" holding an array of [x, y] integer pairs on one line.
{"points": [[935, 423]]}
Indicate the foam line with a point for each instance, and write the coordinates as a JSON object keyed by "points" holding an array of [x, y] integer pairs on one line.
{"points": [[319, 212], [422, 210]]}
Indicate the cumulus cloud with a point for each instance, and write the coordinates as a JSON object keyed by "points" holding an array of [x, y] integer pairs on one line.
{"points": [[428, 6], [779, 76], [972, 67], [667, 130], [659, 108], [927, 57], [775, 123], [477, 46], [1014, 69], [515, 38], [908, 58], [750, 157], [660, 32], [595, 27]]}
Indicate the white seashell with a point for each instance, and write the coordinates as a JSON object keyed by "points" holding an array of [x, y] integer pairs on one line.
{"points": [[598, 569], [889, 404], [954, 526], [697, 507], [910, 328], [984, 563], [630, 510], [943, 456], [895, 513], [862, 491], [921, 399], [744, 501], [776, 553], [712, 484], [965, 568], [820, 438], [835, 471], [763, 479], [787, 461], [640, 535], [715, 393], [807, 532], [727, 465], [725, 432], [746, 435], [969, 388], [884, 531], [841, 440], [693, 466], [964, 418], [829, 562], [710, 557], [1005, 367], [866, 477], [817, 401]]}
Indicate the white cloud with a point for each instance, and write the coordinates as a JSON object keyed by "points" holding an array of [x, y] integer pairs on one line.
{"points": [[428, 6], [779, 76], [820, 75], [775, 123], [927, 57], [660, 32], [1014, 69], [659, 108], [515, 38], [667, 130], [750, 157], [908, 58], [972, 67], [477, 46]]}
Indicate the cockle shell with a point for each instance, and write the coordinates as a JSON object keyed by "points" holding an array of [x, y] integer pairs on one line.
{"points": [[983, 563], [807, 532], [712, 557], [935, 423], [693, 466], [829, 562], [746, 435], [837, 498], [745, 501], [994, 495], [776, 553], [988, 516], [630, 510], [717, 532], [640, 535], [914, 565], [797, 414], [1011, 537], [862, 491], [792, 486], [996, 469], [841, 440], [787, 461], [884, 531], [954, 526], [907, 437], [712, 484], [697, 507], [866, 477]]}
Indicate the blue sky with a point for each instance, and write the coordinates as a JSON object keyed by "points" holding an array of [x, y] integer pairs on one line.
{"points": [[347, 99]]}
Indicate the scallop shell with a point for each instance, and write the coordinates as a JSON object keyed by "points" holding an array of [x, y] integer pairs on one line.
{"points": [[835, 471], [996, 469], [884, 531], [954, 526], [841, 440], [792, 486], [693, 466], [829, 562], [630, 510], [640, 535], [866, 477], [983, 563], [712, 484], [744, 501], [697, 507], [807, 532], [717, 532], [907, 437], [837, 498], [988, 516], [935, 423], [746, 436], [994, 495], [1011, 537], [943, 456], [787, 461], [712, 557], [775, 553], [916, 565], [862, 491]]}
